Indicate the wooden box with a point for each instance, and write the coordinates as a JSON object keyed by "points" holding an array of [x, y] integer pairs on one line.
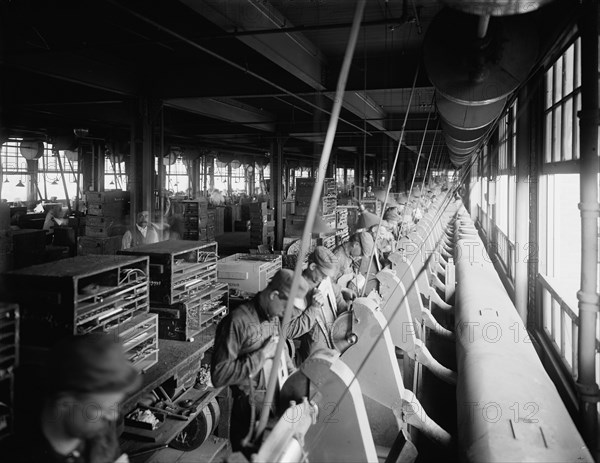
{"points": [[185, 320], [178, 268], [78, 295]]}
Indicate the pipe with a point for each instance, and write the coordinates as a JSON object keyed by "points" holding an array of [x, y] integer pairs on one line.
{"points": [[482, 25], [312, 210], [588, 297]]}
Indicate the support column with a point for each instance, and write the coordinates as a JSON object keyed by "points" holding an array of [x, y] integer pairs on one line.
{"points": [[589, 301], [99, 162], [142, 159], [522, 204], [32, 172], [276, 189]]}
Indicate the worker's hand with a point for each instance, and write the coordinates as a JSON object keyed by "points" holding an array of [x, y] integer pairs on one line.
{"points": [[317, 297], [348, 294], [269, 347]]}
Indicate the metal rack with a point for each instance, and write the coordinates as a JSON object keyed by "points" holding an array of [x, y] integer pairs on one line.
{"points": [[79, 295], [178, 268], [9, 360]]}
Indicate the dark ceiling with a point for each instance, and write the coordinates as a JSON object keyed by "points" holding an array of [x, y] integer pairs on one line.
{"points": [[231, 74]]}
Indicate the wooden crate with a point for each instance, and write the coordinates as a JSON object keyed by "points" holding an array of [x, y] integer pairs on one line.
{"points": [[248, 273], [177, 268], [78, 295], [139, 337], [9, 361], [186, 320], [89, 245]]}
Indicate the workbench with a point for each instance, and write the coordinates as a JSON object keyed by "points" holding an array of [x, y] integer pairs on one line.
{"points": [[173, 357]]}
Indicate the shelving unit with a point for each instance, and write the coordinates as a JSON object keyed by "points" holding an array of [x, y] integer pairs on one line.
{"points": [[178, 268], [186, 320], [140, 340], [195, 218], [9, 360], [79, 295]]}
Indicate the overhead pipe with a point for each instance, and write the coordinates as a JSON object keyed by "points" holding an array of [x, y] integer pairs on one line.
{"points": [[472, 90]]}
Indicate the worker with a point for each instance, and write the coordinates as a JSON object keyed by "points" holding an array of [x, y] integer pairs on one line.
{"points": [[244, 341], [310, 327], [87, 377], [143, 233], [347, 255], [392, 217], [54, 217]]}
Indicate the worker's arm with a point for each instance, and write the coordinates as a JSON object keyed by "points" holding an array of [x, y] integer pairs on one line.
{"points": [[126, 240], [303, 320], [228, 366]]}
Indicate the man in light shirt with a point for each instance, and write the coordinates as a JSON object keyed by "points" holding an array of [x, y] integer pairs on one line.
{"points": [[143, 233]]}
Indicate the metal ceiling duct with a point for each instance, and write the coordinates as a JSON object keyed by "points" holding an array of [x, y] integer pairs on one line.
{"points": [[496, 7], [475, 63]]}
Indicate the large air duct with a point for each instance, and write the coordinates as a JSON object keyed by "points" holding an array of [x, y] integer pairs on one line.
{"points": [[475, 62]]}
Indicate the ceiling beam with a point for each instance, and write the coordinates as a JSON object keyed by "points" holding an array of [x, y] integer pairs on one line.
{"points": [[226, 110], [292, 51]]}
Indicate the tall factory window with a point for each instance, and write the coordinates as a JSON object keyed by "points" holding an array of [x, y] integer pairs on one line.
{"points": [[506, 191], [114, 174], [558, 214], [14, 172]]}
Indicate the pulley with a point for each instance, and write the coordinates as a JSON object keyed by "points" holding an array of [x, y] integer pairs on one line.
{"points": [[341, 335]]}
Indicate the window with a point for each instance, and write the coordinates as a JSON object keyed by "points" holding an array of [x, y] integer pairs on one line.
{"points": [[563, 100], [114, 174], [56, 174]]}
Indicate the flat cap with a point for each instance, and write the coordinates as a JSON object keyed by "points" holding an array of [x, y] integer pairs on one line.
{"points": [[282, 282], [326, 260], [90, 363], [391, 215]]}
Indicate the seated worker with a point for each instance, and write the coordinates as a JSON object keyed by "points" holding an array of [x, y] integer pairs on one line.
{"points": [[54, 217], [245, 339], [87, 378], [144, 232], [347, 255], [393, 218], [311, 326]]}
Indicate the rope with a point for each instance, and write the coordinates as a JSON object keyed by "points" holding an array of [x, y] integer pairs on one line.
{"points": [[387, 193], [312, 211]]}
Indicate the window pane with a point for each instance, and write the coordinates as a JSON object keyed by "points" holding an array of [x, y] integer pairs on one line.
{"points": [[558, 76], [576, 128], [556, 139], [568, 130], [548, 88], [577, 63], [568, 69], [548, 139]]}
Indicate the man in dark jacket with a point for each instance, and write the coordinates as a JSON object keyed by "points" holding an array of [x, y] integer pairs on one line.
{"points": [[87, 378], [245, 343]]}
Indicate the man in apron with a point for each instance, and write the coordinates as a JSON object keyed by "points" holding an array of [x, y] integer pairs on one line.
{"points": [[245, 344]]}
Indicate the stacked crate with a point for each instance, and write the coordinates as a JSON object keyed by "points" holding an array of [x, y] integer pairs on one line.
{"points": [[262, 230], [342, 233], [105, 222], [247, 274], [210, 225], [327, 208], [85, 294], [9, 361], [195, 218], [372, 205], [184, 290]]}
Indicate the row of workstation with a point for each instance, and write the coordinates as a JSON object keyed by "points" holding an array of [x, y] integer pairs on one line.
{"points": [[359, 388]]}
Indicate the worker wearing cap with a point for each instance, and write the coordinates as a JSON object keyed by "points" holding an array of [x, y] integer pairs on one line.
{"points": [[87, 378], [143, 232], [245, 339], [311, 326], [392, 217]]}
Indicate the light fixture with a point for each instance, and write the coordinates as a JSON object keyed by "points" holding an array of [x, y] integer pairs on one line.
{"points": [[6, 180], [20, 184], [54, 182], [111, 183]]}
